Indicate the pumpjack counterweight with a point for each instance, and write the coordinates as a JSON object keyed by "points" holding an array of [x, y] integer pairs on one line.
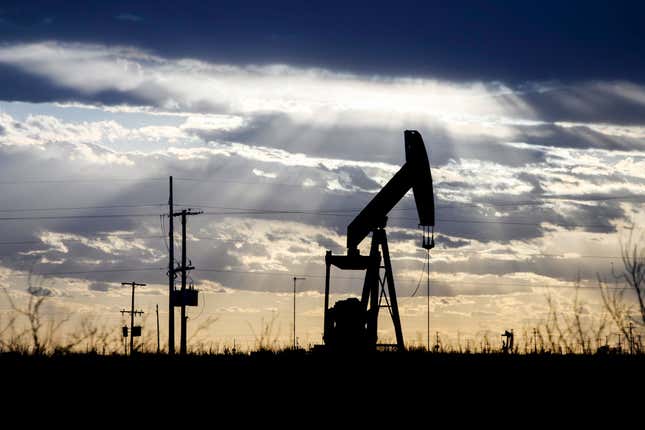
{"points": [[352, 325]]}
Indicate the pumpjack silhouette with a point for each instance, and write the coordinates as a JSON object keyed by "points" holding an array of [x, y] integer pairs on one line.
{"points": [[351, 324]]}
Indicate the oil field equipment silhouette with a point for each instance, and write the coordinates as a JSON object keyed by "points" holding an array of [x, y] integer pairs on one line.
{"points": [[352, 324]]}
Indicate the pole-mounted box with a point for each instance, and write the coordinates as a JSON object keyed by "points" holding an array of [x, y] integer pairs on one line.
{"points": [[189, 297]]}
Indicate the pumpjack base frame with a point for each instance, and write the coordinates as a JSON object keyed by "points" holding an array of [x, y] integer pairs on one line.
{"points": [[375, 289]]}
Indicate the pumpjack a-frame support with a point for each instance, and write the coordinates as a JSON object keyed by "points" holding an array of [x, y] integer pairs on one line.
{"points": [[378, 292]]}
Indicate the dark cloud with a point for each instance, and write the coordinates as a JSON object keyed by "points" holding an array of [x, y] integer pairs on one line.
{"points": [[534, 180], [616, 103], [99, 286], [128, 17], [446, 242], [563, 269], [523, 222], [328, 243], [297, 249], [355, 177], [467, 40], [577, 137], [26, 87], [335, 141], [29, 88]]}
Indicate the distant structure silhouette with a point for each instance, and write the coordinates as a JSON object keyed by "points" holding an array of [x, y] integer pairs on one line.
{"points": [[135, 330], [352, 324], [507, 341], [186, 296]]}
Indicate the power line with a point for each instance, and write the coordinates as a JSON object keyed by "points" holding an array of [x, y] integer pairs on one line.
{"points": [[230, 181], [523, 203], [439, 206], [217, 180], [472, 252], [339, 210], [79, 180], [439, 220], [46, 217], [199, 238], [339, 213], [401, 281], [470, 221], [300, 212], [313, 275], [98, 235], [82, 208], [534, 254], [84, 272]]}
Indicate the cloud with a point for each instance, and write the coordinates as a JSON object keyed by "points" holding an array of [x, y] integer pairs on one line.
{"points": [[621, 102], [262, 173], [112, 122], [190, 84], [128, 17], [99, 286], [242, 138]]}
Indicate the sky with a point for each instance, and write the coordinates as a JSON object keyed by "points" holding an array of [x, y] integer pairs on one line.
{"points": [[532, 115]]}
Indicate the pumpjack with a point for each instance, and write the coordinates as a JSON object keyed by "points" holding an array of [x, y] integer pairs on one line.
{"points": [[351, 325]]}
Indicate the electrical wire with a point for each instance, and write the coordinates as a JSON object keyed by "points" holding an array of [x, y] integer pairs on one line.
{"points": [[67, 208], [200, 238], [423, 271], [79, 180], [202, 307], [121, 236], [32, 218], [85, 272], [217, 180], [163, 232], [310, 275], [303, 212]]}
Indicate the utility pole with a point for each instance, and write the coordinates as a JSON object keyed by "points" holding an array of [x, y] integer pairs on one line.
{"points": [[158, 342], [184, 269], [295, 342], [132, 312], [171, 275]]}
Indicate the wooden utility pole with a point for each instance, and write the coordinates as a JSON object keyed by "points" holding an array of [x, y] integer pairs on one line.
{"points": [[158, 340], [295, 342], [184, 272], [171, 275], [132, 312]]}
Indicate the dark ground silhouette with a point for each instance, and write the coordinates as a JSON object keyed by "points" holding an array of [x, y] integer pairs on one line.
{"points": [[320, 381]]}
